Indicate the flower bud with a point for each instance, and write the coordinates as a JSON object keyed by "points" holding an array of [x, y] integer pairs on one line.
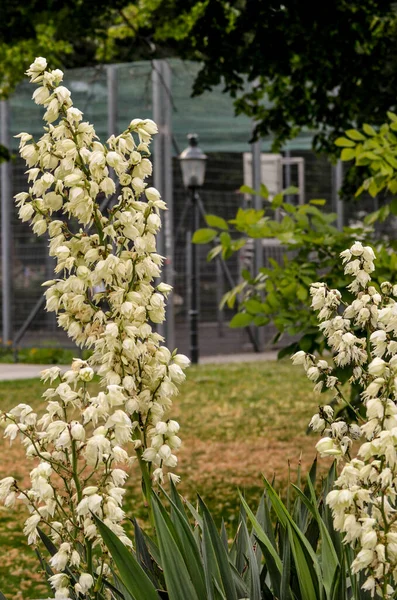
{"points": [[86, 581], [86, 374], [26, 212], [327, 447], [40, 227], [161, 428], [38, 65], [152, 194], [357, 249], [182, 361], [173, 426], [164, 451], [386, 288], [149, 126], [78, 432], [40, 95], [299, 358], [377, 367], [62, 252]]}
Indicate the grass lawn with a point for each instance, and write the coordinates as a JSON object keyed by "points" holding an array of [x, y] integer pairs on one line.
{"points": [[237, 421]]}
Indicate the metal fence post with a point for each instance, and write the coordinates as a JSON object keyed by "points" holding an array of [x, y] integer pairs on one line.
{"points": [[111, 81], [337, 181], [6, 221], [287, 155], [111, 78], [219, 295], [257, 204], [162, 175], [302, 182]]}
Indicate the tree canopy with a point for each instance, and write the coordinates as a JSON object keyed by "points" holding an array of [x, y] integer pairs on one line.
{"points": [[324, 66]]}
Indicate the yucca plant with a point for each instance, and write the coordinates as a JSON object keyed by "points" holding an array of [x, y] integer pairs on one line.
{"points": [[276, 553]]}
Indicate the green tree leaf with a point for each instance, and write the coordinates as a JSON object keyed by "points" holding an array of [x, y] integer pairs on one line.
{"points": [[277, 200], [393, 206], [291, 190], [204, 236], [344, 142], [369, 130], [392, 116], [393, 186], [214, 221], [246, 189], [348, 154], [214, 252], [353, 134], [241, 320], [264, 192], [253, 306]]}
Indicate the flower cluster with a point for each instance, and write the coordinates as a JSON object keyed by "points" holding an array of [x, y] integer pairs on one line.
{"points": [[105, 299], [362, 335]]}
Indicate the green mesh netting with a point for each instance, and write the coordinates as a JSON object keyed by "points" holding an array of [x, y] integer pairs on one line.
{"points": [[211, 115]]}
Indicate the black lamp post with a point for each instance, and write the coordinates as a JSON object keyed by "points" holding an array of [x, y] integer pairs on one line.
{"points": [[193, 172]]}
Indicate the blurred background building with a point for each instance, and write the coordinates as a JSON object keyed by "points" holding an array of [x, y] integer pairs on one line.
{"points": [[110, 97]]}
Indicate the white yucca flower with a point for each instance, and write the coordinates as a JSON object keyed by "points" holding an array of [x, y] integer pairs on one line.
{"points": [[363, 336], [106, 299]]}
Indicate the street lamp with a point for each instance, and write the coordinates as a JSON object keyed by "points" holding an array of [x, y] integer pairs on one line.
{"points": [[193, 161]]}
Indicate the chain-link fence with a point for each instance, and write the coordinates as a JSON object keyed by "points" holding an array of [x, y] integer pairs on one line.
{"points": [[110, 97]]}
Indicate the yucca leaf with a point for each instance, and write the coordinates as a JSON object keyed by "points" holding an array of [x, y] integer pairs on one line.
{"points": [[271, 567], [263, 517], [261, 535], [211, 568], [237, 550], [329, 553], [178, 582], [220, 553], [44, 564], [268, 527], [224, 537], [327, 514], [122, 591], [313, 534], [252, 571], [131, 573], [196, 516], [285, 591], [115, 589], [306, 576], [218, 592], [48, 543], [152, 547], [2, 597], [239, 583], [192, 565], [329, 557], [266, 592], [143, 555], [285, 518], [338, 588], [301, 516], [189, 548], [176, 499], [262, 512]]}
